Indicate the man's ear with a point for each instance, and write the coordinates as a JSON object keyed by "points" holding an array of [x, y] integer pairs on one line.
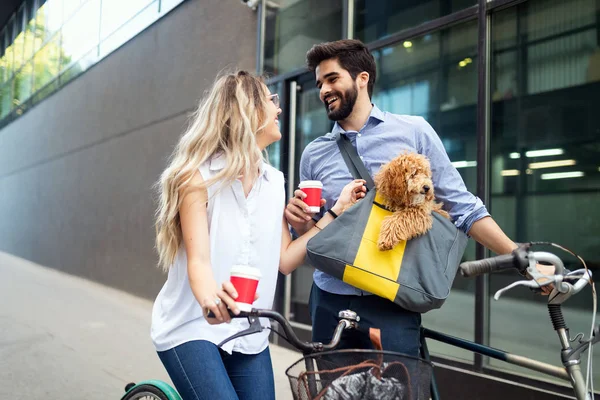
{"points": [[362, 79]]}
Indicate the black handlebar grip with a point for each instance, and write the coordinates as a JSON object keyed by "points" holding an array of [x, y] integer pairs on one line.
{"points": [[211, 314], [474, 268]]}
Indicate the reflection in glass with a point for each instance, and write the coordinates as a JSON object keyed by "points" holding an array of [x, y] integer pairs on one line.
{"points": [[70, 7], [295, 27], [76, 68], [63, 36], [47, 63], [376, 19], [19, 42], [80, 33], [23, 83], [311, 122], [274, 150], [116, 12], [141, 19], [29, 40], [5, 99], [49, 20], [545, 152], [436, 78]]}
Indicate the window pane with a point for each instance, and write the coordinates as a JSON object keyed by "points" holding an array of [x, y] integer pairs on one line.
{"points": [[545, 168], [4, 62], [48, 20], [274, 150], [375, 19], [23, 83], [19, 43], [435, 76], [5, 99], [70, 7], [311, 122], [142, 18], [29, 33], [117, 12], [295, 27], [76, 68], [9, 55], [80, 34], [46, 63]]}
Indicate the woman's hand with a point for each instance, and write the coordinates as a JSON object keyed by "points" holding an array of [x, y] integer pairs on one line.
{"points": [[226, 297], [218, 300], [351, 193]]}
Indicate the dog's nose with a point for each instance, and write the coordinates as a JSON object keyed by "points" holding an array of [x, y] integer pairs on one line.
{"points": [[426, 188]]}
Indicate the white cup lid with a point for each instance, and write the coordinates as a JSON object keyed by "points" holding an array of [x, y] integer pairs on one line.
{"points": [[305, 184], [245, 270]]}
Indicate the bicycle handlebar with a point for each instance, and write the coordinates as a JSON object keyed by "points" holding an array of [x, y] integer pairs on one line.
{"points": [[518, 259], [525, 262], [470, 269], [348, 320]]}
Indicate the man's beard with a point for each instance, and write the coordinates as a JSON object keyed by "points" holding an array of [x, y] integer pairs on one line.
{"points": [[347, 102]]}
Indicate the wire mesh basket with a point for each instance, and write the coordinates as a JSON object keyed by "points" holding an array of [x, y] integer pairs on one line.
{"points": [[360, 374]]}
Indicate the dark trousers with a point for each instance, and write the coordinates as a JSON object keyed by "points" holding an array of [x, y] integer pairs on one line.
{"points": [[399, 327]]}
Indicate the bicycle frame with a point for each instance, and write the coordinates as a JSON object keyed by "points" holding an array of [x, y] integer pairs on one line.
{"points": [[571, 373]]}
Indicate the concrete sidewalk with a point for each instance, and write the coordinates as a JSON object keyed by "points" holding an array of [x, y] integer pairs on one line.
{"points": [[63, 337]]}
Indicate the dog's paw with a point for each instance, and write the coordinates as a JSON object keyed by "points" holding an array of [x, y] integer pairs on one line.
{"points": [[385, 245], [437, 207]]}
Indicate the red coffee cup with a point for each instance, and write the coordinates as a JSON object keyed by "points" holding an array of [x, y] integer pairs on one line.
{"points": [[245, 280], [313, 191]]}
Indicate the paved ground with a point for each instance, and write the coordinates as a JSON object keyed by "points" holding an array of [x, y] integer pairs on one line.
{"points": [[63, 337]]}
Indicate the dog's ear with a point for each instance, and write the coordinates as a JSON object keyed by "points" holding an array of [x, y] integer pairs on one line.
{"points": [[423, 164], [391, 182]]}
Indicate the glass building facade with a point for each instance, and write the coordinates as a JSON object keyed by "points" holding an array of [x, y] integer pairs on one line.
{"points": [[47, 43], [513, 90]]}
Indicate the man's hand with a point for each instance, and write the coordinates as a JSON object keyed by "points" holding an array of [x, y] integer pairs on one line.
{"points": [[297, 212], [544, 270]]}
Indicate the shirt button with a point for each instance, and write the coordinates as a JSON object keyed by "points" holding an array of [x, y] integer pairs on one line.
{"points": [[360, 134], [362, 158]]}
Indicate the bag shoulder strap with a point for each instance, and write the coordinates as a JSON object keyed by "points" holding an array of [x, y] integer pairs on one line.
{"points": [[355, 165]]}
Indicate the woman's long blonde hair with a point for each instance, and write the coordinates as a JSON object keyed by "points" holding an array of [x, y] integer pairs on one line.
{"points": [[227, 121]]}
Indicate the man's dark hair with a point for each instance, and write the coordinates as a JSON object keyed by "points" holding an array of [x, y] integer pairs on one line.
{"points": [[352, 55]]}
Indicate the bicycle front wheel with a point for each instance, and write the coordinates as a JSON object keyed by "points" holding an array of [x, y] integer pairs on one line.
{"points": [[146, 392]]}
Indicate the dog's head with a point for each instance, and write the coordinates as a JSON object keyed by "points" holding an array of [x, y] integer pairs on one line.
{"points": [[405, 181]]}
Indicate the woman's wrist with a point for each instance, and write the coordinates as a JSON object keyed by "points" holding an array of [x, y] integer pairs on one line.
{"points": [[337, 209]]}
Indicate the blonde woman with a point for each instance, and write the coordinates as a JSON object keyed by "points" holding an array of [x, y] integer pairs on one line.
{"points": [[220, 205]]}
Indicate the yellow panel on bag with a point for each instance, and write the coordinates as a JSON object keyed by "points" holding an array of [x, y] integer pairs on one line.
{"points": [[373, 268], [365, 280]]}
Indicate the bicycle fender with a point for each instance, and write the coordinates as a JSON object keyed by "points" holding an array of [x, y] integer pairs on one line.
{"points": [[164, 386]]}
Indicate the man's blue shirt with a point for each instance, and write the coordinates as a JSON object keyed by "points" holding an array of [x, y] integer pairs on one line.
{"points": [[381, 139]]}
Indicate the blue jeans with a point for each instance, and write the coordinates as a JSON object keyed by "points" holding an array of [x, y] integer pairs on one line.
{"points": [[200, 370], [400, 328]]}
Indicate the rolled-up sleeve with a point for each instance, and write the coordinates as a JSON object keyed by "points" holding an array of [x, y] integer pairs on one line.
{"points": [[464, 207]]}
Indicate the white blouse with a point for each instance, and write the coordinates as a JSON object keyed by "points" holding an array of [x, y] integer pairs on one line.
{"points": [[241, 231]]}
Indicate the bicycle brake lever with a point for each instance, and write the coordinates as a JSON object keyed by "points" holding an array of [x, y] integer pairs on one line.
{"points": [[254, 327], [544, 280], [531, 284]]}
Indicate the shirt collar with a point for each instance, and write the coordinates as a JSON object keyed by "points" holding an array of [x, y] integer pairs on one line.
{"points": [[218, 161], [376, 116]]}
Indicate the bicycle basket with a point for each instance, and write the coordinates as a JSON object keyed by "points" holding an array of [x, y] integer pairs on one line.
{"points": [[360, 374]]}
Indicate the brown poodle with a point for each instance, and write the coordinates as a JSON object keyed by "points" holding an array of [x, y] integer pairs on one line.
{"points": [[406, 188]]}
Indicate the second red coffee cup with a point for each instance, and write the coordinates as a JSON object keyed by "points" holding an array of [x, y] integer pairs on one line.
{"points": [[313, 191], [245, 280]]}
